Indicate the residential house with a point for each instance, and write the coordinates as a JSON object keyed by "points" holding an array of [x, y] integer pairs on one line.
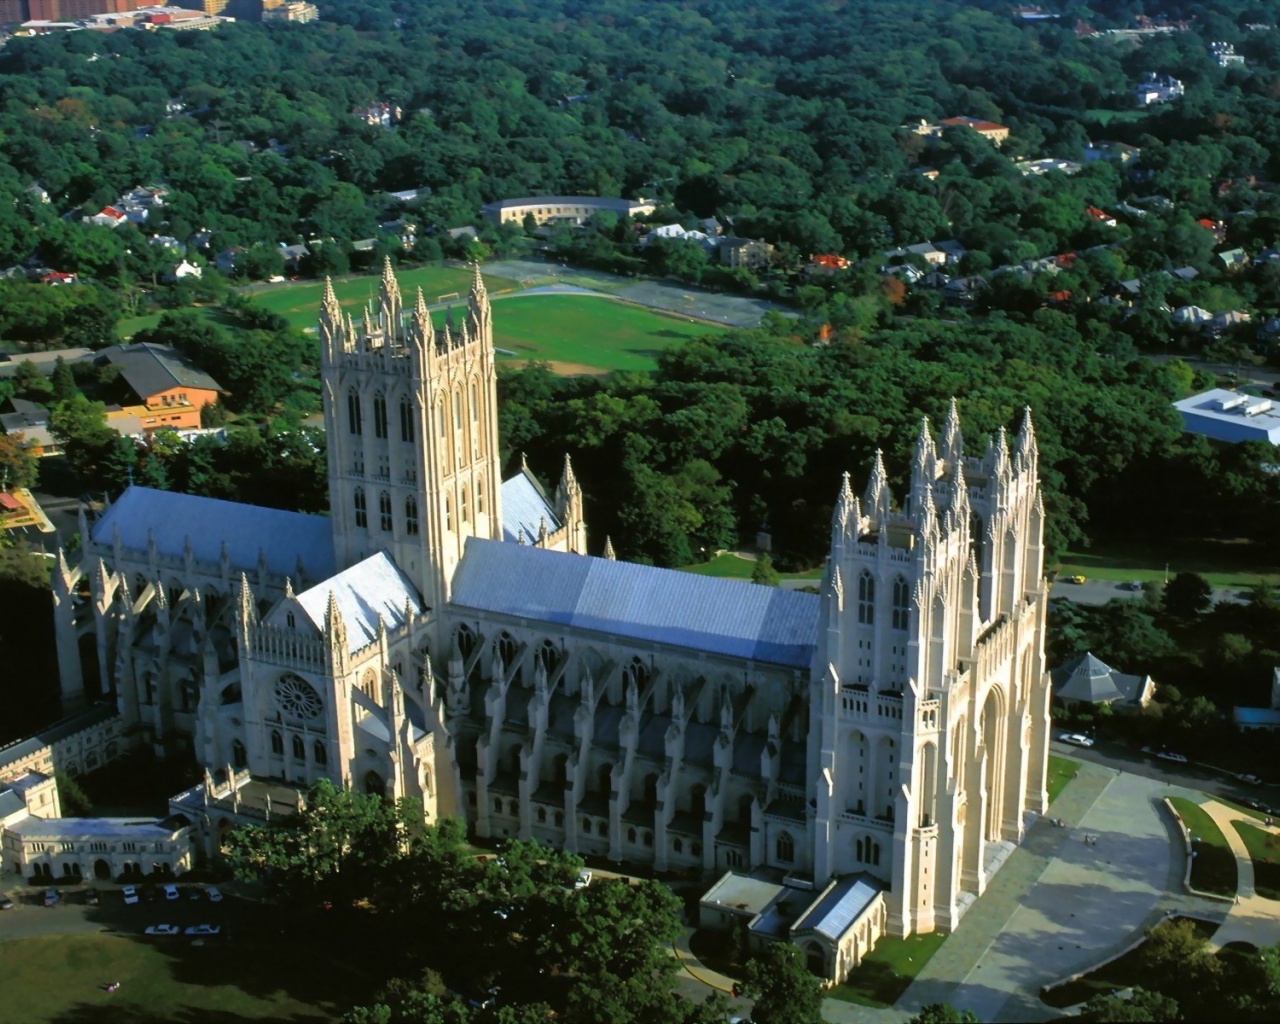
{"points": [[409, 195], [182, 270], [752, 253], [30, 420], [1225, 56], [171, 388], [989, 130], [907, 272], [1046, 164], [466, 231], [294, 255], [364, 245], [1192, 316], [404, 230], [1233, 259], [1157, 89], [935, 279], [963, 290], [930, 253], [1130, 210], [1218, 228], [36, 192], [168, 243], [58, 277], [1101, 216], [1116, 152], [1225, 321], [827, 263], [1187, 274], [108, 217], [226, 260]]}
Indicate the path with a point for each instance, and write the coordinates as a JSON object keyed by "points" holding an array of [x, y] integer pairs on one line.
{"points": [[1254, 919]]}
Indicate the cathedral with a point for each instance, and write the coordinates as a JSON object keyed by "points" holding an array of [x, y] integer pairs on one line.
{"points": [[443, 634]]}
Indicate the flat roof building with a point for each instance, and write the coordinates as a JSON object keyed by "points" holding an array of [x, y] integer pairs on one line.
{"points": [[564, 209], [1230, 416]]}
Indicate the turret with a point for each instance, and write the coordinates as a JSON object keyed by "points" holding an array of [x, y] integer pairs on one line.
{"points": [[608, 550], [389, 302], [952, 439], [878, 499]]}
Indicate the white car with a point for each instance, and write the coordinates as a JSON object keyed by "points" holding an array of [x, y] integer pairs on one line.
{"points": [[163, 929], [1077, 739], [203, 929], [171, 892], [1169, 755], [583, 880], [130, 893], [214, 895]]}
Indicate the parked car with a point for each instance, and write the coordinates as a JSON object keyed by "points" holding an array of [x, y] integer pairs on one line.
{"points": [[1078, 739], [1252, 780], [1074, 579], [203, 929], [1169, 755], [91, 898], [51, 897], [214, 895], [171, 891], [1131, 585], [130, 894], [583, 880], [6, 903], [162, 929]]}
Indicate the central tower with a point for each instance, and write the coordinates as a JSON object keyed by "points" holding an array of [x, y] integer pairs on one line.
{"points": [[412, 425]]}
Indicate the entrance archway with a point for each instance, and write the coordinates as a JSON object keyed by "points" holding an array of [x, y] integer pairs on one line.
{"points": [[815, 960], [101, 870], [373, 784], [993, 732]]}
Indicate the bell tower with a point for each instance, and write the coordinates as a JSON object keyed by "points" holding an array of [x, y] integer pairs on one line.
{"points": [[412, 424]]}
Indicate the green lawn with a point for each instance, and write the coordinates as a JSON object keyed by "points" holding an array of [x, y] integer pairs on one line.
{"points": [[1124, 972], [1222, 563], [1061, 771], [730, 566], [61, 978], [299, 301], [887, 970], [1264, 848], [1214, 867], [589, 333]]}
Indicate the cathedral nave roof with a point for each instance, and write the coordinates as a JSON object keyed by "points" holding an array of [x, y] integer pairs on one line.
{"points": [[525, 508], [368, 590], [639, 602], [284, 538]]}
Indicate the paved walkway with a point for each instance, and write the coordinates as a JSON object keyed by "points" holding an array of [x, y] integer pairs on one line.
{"points": [[1253, 918]]}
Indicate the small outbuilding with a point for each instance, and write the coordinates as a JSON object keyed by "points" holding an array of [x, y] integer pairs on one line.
{"points": [[1089, 680]]}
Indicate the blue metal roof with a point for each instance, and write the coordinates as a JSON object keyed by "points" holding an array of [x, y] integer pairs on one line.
{"points": [[639, 601], [839, 907], [369, 590], [524, 508], [1257, 716], [284, 537]]}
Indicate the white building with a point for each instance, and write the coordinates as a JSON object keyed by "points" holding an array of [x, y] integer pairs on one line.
{"points": [[444, 635]]}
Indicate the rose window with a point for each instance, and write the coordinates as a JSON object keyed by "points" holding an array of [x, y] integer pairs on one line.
{"points": [[297, 697]]}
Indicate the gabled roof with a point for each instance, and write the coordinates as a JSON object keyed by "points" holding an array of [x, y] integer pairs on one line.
{"points": [[149, 369], [839, 907], [525, 507], [369, 590], [639, 601], [285, 538]]}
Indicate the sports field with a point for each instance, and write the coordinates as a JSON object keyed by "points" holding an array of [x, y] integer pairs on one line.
{"points": [[64, 977], [588, 333]]}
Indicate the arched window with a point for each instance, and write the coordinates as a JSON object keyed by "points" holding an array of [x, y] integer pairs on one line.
{"points": [[507, 648], [901, 603], [354, 421], [321, 755], [362, 510], [497, 804], [380, 416], [559, 819], [384, 511], [277, 742], [480, 497], [239, 756], [448, 512], [637, 672], [466, 640], [299, 749], [785, 848], [678, 846], [475, 402], [548, 654], [406, 421], [586, 826], [648, 838], [866, 599], [457, 410], [440, 421], [542, 815], [631, 835], [411, 516], [466, 505]]}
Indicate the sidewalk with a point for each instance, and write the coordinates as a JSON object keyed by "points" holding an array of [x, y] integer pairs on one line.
{"points": [[696, 968], [1253, 918]]}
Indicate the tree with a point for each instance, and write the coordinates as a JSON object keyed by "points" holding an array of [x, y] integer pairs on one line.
{"points": [[80, 427], [1187, 595], [943, 1013], [1142, 1007], [764, 573], [64, 382], [18, 467], [73, 800], [782, 987]]}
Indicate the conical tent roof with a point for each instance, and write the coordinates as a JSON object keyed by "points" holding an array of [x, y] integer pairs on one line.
{"points": [[1088, 680]]}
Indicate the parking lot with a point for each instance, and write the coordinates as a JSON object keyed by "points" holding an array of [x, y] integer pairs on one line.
{"points": [[73, 914]]}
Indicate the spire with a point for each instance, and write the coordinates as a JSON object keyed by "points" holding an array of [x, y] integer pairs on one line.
{"points": [[481, 314], [608, 550], [1025, 449], [389, 300], [928, 514], [542, 532], [845, 502], [1001, 464], [922, 466], [952, 439], [878, 498], [837, 585], [288, 588], [424, 331], [959, 495], [334, 628]]}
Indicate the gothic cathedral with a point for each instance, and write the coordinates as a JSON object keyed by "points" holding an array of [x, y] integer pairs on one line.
{"points": [[443, 634]]}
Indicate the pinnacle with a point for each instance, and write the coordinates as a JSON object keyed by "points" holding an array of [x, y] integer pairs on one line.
{"points": [[608, 549]]}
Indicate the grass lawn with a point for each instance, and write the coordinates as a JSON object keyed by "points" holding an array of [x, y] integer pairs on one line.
{"points": [[1124, 972], [1222, 563], [887, 970], [60, 978], [1061, 771], [729, 566], [589, 333], [1214, 867], [299, 301], [130, 326], [1264, 848]]}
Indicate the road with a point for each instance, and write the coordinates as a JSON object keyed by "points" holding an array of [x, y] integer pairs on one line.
{"points": [[1217, 781], [1101, 591]]}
